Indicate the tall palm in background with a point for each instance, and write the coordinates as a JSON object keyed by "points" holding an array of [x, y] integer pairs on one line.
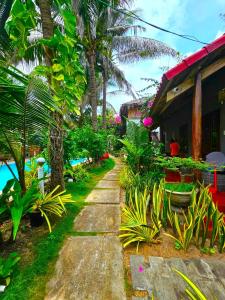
{"points": [[111, 34]]}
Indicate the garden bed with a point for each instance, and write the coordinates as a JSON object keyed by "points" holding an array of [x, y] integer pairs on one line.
{"points": [[165, 249], [39, 249]]}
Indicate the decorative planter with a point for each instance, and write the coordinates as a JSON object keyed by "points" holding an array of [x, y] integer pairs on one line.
{"points": [[36, 219], [179, 199]]}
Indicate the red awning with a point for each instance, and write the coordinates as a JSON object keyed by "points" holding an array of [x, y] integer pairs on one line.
{"points": [[189, 61]]}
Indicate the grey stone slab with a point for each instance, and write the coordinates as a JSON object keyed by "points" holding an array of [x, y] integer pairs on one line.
{"points": [[106, 184], [98, 218], [88, 268], [139, 280], [160, 279], [104, 196]]}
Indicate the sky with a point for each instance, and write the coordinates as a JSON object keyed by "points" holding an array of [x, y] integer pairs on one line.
{"points": [[198, 18]]}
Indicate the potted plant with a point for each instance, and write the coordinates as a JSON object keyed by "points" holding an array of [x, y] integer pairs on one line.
{"points": [[185, 166], [179, 193]]}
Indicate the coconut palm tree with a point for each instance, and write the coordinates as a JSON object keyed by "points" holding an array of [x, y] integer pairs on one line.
{"points": [[105, 31]]}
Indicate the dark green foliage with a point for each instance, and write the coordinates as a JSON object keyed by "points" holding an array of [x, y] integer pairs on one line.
{"points": [[90, 143], [7, 265], [77, 173], [180, 186]]}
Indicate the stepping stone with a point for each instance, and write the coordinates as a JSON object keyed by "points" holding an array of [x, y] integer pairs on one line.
{"points": [[111, 176], [88, 268], [106, 184], [98, 218], [104, 196], [139, 281], [140, 298]]}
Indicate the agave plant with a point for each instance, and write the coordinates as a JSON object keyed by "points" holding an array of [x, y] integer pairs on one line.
{"points": [[135, 226], [183, 235], [52, 203]]}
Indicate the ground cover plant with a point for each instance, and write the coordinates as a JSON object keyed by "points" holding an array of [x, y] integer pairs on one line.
{"points": [[201, 224], [34, 270]]}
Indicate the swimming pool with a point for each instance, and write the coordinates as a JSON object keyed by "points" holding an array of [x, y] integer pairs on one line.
{"points": [[5, 174]]}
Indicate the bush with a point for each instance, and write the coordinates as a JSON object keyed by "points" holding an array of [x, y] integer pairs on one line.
{"points": [[94, 144], [77, 173]]}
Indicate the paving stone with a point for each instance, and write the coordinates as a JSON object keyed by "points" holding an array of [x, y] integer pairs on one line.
{"points": [[104, 196], [218, 269], [139, 280], [89, 268], [111, 176], [140, 298], [106, 184], [98, 218]]}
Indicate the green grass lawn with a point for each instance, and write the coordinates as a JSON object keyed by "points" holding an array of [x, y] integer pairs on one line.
{"points": [[29, 281]]}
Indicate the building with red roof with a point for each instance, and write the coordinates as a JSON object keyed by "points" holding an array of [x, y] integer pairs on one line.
{"points": [[190, 102]]}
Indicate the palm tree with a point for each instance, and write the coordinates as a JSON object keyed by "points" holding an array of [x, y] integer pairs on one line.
{"points": [[28, 113], [104, 32], [56, 132]]}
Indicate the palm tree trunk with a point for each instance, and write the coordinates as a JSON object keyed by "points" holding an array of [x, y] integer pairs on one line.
{"points": [[104, 77], [93, 90], [56, 132]]}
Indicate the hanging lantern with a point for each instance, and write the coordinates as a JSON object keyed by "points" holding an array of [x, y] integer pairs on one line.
{"points": [[148, 122], [117, 119]]}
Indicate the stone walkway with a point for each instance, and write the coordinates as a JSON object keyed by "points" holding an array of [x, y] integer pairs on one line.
{"points": [[91, 267], [157, 277]]}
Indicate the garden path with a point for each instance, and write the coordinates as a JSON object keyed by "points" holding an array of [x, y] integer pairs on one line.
{"points": [[90, 265]]}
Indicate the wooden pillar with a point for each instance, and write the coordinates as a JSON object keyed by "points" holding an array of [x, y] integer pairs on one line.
{"points": [[197, 119]]}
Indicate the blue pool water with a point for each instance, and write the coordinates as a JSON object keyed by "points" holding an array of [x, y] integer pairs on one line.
{"points": [[5, 174]]}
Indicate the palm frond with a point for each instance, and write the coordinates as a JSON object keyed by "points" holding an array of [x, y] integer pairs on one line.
{"points": [[118, 76], [123, 29], [133, 48]]}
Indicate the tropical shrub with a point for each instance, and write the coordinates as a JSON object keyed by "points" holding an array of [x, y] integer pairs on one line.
{"points": [[135, 227], [15, 203], [141, 153], [52, 203], [93, 143], [6, 267], [184, 233], [77, 173]]}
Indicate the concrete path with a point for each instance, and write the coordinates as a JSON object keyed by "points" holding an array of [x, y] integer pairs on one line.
{"points": [[91, 267], [157, 277]]}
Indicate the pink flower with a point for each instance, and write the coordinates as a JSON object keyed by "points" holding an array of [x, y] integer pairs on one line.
{"points": [[140, 269], [150, 103], [148, 122], [117, 119]]}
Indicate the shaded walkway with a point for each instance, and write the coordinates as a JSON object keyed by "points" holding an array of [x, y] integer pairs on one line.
{"points": [[90, 267]]}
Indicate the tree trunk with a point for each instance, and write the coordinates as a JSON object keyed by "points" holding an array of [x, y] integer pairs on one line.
{"points": [[56, 133], [57, 152], [104, 77], [93, 89]]}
